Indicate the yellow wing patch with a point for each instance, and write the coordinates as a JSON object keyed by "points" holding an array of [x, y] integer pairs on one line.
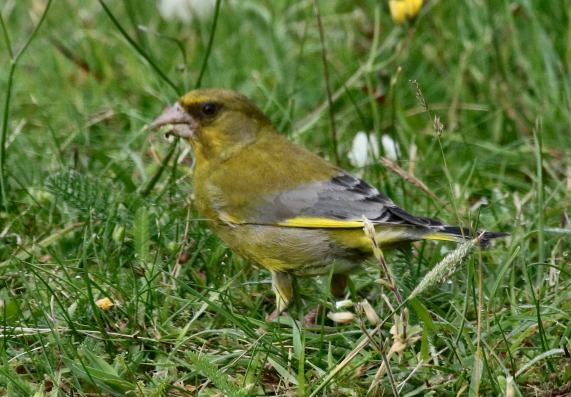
{"points": [[316, 222], [440, 236]]}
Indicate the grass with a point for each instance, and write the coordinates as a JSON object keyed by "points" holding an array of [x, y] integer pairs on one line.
{"points": [[94, 206]]}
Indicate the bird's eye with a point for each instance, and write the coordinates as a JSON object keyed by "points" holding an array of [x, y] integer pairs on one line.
{"points": [[209, 109]]}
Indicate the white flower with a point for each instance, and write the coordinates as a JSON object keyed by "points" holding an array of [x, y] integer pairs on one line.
{"points": [[341, 317], [343, 304], [390, 148], [186, 10], [364, 149]]}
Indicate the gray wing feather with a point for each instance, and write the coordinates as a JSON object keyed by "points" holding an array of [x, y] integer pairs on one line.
{"points": [[344, 197]]}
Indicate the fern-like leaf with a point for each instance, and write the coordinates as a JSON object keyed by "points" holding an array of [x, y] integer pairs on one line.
{"points": [[88, 196]]}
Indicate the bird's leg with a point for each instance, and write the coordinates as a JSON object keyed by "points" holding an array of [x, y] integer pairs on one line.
{"points": [[339, 285], [282, 283]]}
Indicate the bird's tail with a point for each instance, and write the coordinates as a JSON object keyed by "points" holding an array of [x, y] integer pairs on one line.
{"points": [[459, 234]]}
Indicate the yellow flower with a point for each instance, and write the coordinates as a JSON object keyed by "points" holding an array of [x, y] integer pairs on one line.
{"points": [[403, 9], [104, 303], [398, 10]]}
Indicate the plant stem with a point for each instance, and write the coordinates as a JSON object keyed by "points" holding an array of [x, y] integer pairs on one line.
{"points": [[327, 83], [209, 45], [137, 48], [14, 58]]}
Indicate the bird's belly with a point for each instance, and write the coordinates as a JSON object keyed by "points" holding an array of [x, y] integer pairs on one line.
{"points": [[300, 251]]}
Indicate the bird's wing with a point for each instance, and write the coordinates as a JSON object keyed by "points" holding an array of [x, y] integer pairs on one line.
{"points": [[340, 202]]}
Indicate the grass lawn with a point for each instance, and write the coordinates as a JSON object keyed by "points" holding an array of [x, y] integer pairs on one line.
{"points": [[97, 210]]}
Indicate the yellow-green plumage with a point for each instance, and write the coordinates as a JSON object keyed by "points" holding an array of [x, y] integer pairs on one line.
{"points": [[279, 205]]}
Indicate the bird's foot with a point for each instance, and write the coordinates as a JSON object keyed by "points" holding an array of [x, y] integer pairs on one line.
{"points": [[275, 314], [310, 319]]}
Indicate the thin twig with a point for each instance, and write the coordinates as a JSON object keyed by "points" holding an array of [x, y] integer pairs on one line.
{"points": [[349, 357], [155, 178], [184, 246], [370, 232], [385, 358], [412, 179], [439, 130]]}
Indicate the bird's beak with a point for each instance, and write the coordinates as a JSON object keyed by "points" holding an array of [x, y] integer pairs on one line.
{"points": [[180, 123]]}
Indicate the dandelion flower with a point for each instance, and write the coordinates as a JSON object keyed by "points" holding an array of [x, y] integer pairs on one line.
{"points": [[404, 9]]}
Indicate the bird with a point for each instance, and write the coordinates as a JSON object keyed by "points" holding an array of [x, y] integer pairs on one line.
{"points": [[279, 205]]}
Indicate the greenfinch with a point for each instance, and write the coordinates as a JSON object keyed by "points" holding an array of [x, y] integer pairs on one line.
{"points": [[281, 206]]}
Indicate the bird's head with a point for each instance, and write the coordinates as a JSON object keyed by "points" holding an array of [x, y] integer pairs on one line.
{"points": [[215, 121]]}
